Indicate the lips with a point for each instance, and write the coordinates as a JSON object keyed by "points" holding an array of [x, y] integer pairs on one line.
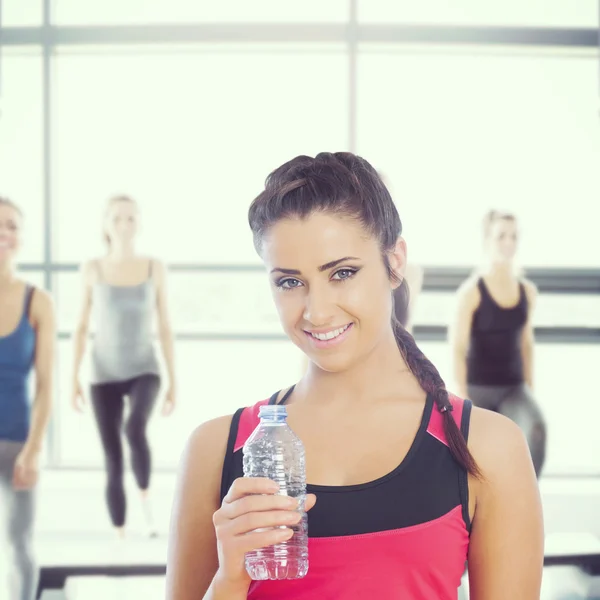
{"points": [[329, 335]]}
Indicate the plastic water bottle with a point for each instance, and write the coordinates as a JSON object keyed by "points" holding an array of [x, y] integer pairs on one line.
{"points": [[274, 451]]}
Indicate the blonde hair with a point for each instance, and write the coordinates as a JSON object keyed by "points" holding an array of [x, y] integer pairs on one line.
{"points": [[8, 202], [494, 215], [109, 204], [489, 219]]}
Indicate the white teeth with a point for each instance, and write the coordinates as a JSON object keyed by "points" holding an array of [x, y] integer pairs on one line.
{"points": [[330, 335]]}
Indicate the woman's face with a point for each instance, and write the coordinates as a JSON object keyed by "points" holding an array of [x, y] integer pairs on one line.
{"points": [[502, 241], [10, 233], [121, 221], [331, 287]]}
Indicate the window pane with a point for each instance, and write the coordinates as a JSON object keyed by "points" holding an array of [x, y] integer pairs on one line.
{"points": [[207, 389], [567, 400], [72, 12], [458, 134], [547, 13], [198, 132], [21, 144], [223, 303], [21, 12], [201, 302]]}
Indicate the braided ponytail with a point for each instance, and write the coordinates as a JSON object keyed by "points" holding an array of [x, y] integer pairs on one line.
{"points": [[432, 382]]}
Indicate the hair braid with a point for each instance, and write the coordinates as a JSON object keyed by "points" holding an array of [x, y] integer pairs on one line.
{"points": [[432, 382]]}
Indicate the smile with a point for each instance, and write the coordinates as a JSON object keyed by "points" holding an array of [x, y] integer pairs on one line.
{"points": [[330, 335]]}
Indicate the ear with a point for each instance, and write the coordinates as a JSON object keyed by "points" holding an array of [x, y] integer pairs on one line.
{"points": [[397, 258]]}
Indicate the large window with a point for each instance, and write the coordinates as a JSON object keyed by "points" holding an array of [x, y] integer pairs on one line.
{"points": [[516, 13], [457, 132], [187, 106], [21, 142], [20, 13], [185, 138], [91, 12]]}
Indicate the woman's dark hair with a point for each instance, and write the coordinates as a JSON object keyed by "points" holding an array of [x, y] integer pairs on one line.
{"points": [[347, 185]]}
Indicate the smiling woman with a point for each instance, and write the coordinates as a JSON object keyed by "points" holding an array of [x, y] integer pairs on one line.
{"points": [[386, 443]]}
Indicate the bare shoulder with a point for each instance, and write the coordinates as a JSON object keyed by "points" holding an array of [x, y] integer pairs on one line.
{"points": [[530, 289], [498, 446], [89, 270], [158, 269], [42, 305], [468, 291], [211, 435], [205, 451]]}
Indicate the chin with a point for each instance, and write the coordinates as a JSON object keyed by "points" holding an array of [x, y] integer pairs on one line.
{"points": [[334, 363]]}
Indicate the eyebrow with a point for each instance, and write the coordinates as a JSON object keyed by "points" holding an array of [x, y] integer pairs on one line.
{"points": [[322, 268]]}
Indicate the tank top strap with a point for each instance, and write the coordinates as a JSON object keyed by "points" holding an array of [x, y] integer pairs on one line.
{"points": [[150, 264], [243, 423], [461, 413], [29, 290], [483, 290], [523, 300]]}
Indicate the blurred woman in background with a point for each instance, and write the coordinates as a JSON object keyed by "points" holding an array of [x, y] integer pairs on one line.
{"points": [[27, 329], [492, 335], [126, 292]]}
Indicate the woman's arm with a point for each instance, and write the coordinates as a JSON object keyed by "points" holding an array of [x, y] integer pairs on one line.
{"points": [[42, 312], [459, 332], [528, 339], [87, 273], [42, 316], [165, 332], [506, 550], [192, 556]]}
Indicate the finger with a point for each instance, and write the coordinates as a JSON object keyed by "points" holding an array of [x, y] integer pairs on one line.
{"points": [[258, 503], [261, 539], [261, 520], [243, 486]]}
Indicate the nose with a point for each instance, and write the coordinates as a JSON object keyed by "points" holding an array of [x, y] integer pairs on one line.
{"points": [[319, 305]]}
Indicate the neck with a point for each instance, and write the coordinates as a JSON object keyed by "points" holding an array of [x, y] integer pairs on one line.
{"points": [[499, 270], [120, 251], [381, 374], [7, 275]]}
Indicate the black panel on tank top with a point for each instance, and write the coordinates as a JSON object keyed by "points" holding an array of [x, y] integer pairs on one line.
{"points": [[494, 356], [425, 486]]}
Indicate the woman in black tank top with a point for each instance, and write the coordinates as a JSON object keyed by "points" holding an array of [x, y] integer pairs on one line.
{"points": [[492, 336]]}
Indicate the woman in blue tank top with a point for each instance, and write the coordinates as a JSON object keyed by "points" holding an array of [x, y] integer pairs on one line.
{"points": [[124, 292], [26, 343], [492, 336]]}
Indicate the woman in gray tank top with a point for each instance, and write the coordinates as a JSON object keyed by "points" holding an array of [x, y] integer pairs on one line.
{"points": [[123, 293]]}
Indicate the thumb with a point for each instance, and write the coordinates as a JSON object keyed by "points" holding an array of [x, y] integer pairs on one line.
{"points": [[310, 501], [17, 474]]}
